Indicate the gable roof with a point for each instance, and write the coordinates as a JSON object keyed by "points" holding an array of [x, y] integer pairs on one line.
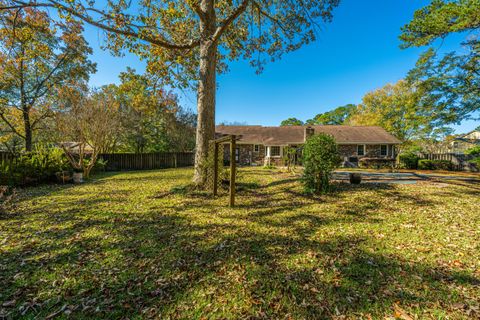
{"points": [[472, 135], [295, 134]]}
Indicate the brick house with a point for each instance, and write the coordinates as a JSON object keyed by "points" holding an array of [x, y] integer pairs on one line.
{"points": [[260, 145]]}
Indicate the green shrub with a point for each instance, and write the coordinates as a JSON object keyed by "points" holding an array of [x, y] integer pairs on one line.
{"points": [[100, 165], [289, 157], [409, 160], [320, 158], [443, 165], [33, 167], [376, 163], [476, 161], [425, 164], [475, 151], [269, 166]]}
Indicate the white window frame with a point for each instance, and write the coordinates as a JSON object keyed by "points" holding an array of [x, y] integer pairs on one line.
{"points": [[256, 148], [364, 149], [279, 151], [386, 149]]}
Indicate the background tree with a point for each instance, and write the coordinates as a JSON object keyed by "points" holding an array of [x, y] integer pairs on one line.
{"points": [[37, 57], [188, 42], [455, 77], [336, 116], [403, 110], [439, 19], [152, 119], [87, 124], [233, 123], [292, 122]]}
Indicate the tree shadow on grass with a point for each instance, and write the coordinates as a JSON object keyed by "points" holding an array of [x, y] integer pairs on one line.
{"points": [[185, 263], [161, 265]]}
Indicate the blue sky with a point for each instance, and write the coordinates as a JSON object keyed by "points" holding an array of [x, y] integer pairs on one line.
{"points": [[354, 54]]}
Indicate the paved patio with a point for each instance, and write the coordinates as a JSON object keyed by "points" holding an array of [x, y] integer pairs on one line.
{"points": [[403, 177]]}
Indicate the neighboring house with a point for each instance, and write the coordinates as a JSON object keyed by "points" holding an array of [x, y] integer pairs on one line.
{"points": [[74, 147], [260, 145], [462, 143]]}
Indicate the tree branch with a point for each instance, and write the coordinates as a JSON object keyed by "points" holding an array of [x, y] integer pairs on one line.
{"points": [[265, 14], [14, 130], [195, 7], [153, 40], [229, 20]]}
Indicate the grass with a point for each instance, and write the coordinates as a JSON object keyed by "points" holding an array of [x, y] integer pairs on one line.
{"points": [[139, 245]]}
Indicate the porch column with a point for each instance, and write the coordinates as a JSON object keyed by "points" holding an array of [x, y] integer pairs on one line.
{"points": [[266, 161]]}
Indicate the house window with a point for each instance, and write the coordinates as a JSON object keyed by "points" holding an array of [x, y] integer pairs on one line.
{"points": [[256, 148], [237, 154], [275, 151], [383, 150], [361, 150]]}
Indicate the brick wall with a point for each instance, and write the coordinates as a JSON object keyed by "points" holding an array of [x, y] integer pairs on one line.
{"points": [[347, 150], [246, 154], [249, 156]]}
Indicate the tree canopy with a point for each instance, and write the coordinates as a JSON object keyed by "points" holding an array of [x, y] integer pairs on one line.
{"points": [[37, 58], [152, 119], [336, 116], [439, 19], [453, 78], [402, 109], [291, 122]]}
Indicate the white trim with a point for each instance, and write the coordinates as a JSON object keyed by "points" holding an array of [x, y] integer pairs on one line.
{"points": [[280, 151]]}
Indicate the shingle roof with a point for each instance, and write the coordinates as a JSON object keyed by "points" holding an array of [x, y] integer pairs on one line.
{"points": [[295, 134]]}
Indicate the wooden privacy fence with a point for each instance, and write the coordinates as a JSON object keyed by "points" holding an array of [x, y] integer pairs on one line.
{"points": [[460, 162], [5, 156], [147, 161]]}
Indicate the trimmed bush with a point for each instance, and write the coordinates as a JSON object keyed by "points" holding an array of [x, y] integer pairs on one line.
{"points": [[409, 160], [443, 165], [376, 163], [425, 164], [320, 158]]}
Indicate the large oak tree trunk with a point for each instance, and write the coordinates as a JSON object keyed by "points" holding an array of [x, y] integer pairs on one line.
{"points": [[205, 94]]}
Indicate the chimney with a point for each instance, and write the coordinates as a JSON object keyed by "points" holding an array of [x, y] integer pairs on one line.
{"points": [[309, 131]]}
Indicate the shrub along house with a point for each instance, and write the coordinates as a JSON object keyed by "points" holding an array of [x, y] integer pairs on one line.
{"points": [[260, 145]]}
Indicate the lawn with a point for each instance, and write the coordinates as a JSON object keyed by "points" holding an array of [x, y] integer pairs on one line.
{"points": [[137, 245]]}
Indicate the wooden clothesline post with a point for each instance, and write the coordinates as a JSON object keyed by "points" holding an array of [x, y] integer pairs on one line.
{"points": [[232, 139], [215, 169], [233, 162]]}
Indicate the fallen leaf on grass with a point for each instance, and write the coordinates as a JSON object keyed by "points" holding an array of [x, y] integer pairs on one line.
{"points": [[399, 313]]}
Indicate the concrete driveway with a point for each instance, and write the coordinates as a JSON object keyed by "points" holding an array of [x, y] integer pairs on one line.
{"points": [[403, 177]]}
